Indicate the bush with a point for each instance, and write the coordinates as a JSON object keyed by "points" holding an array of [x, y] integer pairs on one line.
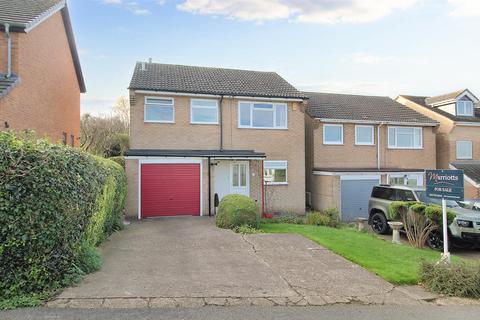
{"points": [[237, 210], [290, 218], [328, 218], [56, 204], [119, 159], [461, 280]]}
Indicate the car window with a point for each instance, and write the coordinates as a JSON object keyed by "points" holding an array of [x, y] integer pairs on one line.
{"points": [[405, 195], [383, 193]]}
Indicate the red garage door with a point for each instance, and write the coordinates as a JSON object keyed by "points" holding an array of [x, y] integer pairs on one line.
{"points": [[170, 190]]}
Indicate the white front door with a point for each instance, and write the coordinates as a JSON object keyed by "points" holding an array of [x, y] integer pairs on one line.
{"points": [[239, 178]]}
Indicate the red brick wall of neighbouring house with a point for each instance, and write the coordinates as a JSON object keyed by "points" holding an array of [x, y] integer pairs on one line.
{"points": [[47, 100]]}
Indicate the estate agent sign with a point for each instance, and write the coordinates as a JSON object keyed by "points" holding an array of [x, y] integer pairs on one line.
{"points": [[445, 184]]}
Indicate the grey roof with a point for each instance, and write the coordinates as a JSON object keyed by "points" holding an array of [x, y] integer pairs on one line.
{"points": [[421, 101], [194, 153], [444, 97], [24, 15], [362, 108], [471, 169], [7, 84], [206, 80]]}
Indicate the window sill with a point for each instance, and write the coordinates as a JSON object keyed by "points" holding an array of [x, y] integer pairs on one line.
{"points": [[333, 144], [206, 123], [276, 183], [365, 144], [257, 128], [395, 148]]}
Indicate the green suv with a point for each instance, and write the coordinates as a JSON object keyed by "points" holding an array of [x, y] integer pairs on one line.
{"points": [[464, 230]]}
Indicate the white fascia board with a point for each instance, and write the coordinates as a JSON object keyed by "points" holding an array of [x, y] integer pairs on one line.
{"points": [[44, 16], [411, 124], [468, 124], [215, 96], [188, 157], [360, 173]]}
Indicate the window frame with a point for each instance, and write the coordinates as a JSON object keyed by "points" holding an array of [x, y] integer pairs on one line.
{"points": [[325, 125], [405, 148], [471, 150], [372, 129], [285, 162], [158, 121], [192, 121], [251, 107], [464, 103]]}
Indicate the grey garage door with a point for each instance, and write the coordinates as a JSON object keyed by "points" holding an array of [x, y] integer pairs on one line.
{"points": [[354, 196]]}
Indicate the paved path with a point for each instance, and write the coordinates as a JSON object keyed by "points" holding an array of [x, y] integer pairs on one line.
{"points": [[188, 262]]}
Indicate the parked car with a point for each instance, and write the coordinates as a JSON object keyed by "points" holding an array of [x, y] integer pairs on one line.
{"points": [[463, 231]]}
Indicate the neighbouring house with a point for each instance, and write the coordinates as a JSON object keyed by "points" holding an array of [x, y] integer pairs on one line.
{"points": [[355, 142], [40, 74], [198, 132], [458, 135]]}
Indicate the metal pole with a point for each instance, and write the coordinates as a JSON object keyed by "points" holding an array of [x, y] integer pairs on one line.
{"points": [[446, 254]]}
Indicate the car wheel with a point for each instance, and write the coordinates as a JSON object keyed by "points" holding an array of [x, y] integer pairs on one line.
{"points": [[435, 241], [380, 223]]}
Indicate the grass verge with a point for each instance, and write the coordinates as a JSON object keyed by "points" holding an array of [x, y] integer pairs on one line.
{"points": [[398, 264]]}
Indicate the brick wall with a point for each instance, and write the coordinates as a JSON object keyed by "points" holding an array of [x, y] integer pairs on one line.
{"points": [[48, 98], [276, 144]]}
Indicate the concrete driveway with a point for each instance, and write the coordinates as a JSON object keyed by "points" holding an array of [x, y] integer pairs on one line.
{"points": [[187, 261]]}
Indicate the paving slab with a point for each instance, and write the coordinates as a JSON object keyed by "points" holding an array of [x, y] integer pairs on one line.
{"points": [[188, 262]]}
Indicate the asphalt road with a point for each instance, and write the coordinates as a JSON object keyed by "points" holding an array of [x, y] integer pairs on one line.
{"points": [[335, 312]]}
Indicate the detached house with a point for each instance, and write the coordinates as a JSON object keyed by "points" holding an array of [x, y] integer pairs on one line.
{"points": [[197, 132], [458, 135], [40, 74], [355, 142]]}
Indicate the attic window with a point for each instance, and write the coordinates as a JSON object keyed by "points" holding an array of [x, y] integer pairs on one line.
{"points": [[464, 108]]}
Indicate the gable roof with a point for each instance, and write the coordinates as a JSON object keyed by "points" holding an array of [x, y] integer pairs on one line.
{"points": [[444, 97], [214, 81], [25, 15], [421, 101], [362, 108]]}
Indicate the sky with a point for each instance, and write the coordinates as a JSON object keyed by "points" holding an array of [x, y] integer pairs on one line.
{"points": [[374, 47]]}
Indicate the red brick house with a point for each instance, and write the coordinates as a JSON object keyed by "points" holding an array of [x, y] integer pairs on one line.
{"points": [[40, 75]]}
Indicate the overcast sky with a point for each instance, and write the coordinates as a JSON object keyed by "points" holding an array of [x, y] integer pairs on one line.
{"points": [[377, 47]]}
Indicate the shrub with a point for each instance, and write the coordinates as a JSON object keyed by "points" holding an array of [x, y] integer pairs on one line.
{"points": [[328, 218], [56, 204], [461, 280], [237, 210], [119, 159], [245, 229], [290, 218], [419, 220]]}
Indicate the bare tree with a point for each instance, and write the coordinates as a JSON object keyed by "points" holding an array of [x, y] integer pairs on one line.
{"points": [[122, 110]]}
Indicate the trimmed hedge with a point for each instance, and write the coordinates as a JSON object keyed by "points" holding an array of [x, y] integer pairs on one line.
{"points": [[237, 210], [56, 204]]}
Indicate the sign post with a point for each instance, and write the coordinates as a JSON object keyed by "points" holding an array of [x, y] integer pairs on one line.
{"points": [[447, 185]]}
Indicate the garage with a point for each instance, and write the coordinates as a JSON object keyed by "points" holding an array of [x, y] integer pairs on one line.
{"points": [[355, 195], [170, 189]]}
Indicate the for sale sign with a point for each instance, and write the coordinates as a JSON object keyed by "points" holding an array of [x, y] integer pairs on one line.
{"points": [[446, 184]]}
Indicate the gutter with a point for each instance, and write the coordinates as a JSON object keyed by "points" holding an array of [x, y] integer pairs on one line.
{"points": [[413, 124], [179, 93]]}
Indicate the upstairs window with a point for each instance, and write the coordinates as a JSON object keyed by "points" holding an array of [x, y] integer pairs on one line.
{"points": [[261, 115], [465, 108], [159, 110], [464, 150], [332, 134], [204, 111], [275, 172], [364, 135], [404, 138]]}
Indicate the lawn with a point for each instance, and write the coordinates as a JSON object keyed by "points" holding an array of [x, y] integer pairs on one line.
{"points": [[397, 264]]}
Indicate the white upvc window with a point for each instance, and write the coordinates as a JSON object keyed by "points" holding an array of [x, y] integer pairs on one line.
{"points": [[275, 172], [405, 138], [203, 111], [262, 115], [364, 135], [160, 110], [464, 150], [333, 134], [464, 108]]}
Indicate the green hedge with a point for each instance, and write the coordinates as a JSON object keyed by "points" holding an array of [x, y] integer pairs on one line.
{"points": [[56, 204], [237, 210]]}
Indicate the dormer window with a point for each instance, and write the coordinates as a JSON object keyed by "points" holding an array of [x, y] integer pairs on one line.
{"points": [[465, 108]]}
